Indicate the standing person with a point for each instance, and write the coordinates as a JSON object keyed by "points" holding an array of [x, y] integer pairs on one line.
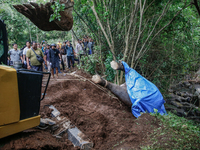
{"points": [[28, 46], [85, 43], [62, 53], [39, 46], [14, 55], [64, 56], [54, 56], [79, 49], [43, 46], [47, 60], [58, 47], [90, 46], [21, 54], [59, 44], [30, 55], [43, 49], [70, 54]]}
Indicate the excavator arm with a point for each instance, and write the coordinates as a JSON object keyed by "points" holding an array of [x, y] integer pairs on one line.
{"points": [[39, 14]]}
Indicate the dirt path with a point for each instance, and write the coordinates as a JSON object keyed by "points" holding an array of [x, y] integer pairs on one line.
{"points": [[107, 122]]}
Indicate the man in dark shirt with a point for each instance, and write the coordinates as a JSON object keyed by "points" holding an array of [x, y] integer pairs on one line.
{"points": [[54, 57], [85, 43], [70, 54]]}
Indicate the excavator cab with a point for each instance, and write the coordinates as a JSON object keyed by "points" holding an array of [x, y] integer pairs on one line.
{"points": [[20, 93]]}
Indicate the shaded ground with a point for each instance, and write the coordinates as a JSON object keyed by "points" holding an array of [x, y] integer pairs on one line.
{"points": [[107, 122]]}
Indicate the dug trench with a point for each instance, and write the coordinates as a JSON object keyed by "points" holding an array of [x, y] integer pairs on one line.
{"points": [[107, 122]]}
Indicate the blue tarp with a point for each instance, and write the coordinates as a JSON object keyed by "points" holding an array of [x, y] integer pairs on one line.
{"points": [[144, 95]]}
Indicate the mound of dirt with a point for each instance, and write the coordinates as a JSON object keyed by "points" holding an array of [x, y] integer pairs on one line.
{"points": [[36, 140], [104, 119]]}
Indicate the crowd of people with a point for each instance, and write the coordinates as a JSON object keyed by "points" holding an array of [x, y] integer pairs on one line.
{"points": [[52, 58]]}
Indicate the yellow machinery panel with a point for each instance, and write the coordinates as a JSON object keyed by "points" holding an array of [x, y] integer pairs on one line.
{"points": [[19, 126], [9, 96]]}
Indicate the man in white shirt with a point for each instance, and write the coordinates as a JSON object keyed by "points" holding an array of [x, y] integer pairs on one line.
{"points": [[28, 46], [79, 49]]}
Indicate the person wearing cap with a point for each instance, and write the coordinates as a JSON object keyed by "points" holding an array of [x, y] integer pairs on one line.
{"points": [[54, 56], [70, 54], [46, 56]]}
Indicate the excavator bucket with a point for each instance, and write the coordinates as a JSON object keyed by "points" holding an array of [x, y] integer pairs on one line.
{"points": [[40, 14]]}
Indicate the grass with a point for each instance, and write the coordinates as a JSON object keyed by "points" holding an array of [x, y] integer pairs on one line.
{"points": [[175, 133]]}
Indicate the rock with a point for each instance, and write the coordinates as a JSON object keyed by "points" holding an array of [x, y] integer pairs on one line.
{"points": [[170, 90], [177, 104], [184, 98], [197, 112], [173, 97], [196, 118], [178, 112], [189, 105], [187, 84]]}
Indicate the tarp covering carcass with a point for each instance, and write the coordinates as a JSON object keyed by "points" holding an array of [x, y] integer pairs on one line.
{"points": [[144, 95]]}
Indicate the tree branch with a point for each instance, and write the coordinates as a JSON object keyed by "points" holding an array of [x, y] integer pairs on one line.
{"points": [[161, 16], [197, 6], [161, 30], [100, 24]]}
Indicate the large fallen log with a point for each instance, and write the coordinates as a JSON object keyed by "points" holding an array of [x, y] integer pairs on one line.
{"points": [[139, 93], [40, 14]]}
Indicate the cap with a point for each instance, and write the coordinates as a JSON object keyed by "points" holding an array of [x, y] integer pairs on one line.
{"points": [[53, 44]]}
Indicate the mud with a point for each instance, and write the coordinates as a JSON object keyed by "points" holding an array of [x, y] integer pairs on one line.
{"points": [[103, 119]]}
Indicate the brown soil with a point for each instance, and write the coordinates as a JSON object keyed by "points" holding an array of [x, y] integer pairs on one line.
{"points": [[107, 122]]}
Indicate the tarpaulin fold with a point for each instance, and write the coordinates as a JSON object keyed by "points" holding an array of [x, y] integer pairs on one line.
{"points": [[144, 95]]}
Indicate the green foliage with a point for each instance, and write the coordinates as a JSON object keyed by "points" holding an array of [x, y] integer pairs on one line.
{"points": [[57, 8], [175, 132], [109, 71], [89, 62]]}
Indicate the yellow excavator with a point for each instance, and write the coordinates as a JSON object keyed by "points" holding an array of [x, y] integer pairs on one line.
{"points": [[20, 89], [20, 93]]}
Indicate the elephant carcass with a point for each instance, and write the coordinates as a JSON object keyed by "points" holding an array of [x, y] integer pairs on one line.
{"points": [[40, 14], [142, 95], [119, 91]]}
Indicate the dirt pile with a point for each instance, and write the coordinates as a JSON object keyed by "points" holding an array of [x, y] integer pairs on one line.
{"points": [[104, 119]]}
